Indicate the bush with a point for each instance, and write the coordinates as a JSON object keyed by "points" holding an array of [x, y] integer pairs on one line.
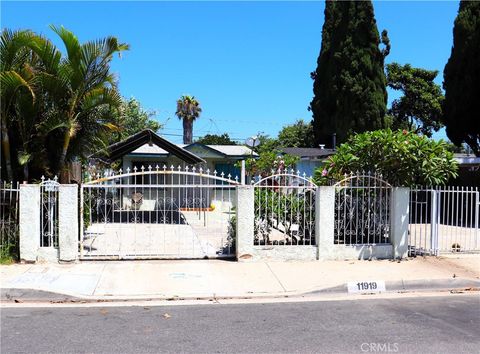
{"points": [[403, 158]]}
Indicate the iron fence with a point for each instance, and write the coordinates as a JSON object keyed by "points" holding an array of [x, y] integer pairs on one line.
{"points": [[49, 212], [444, 219], [362, 210], [284, 209], [158, 212], [9, 219]]}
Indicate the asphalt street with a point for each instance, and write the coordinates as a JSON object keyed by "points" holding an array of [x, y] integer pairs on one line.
{"points": [[446, 324]]}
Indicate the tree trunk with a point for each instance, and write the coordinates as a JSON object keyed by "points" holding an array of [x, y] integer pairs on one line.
{"points": [[25, 172], [63, 156], [187, 131], [6, 149]]}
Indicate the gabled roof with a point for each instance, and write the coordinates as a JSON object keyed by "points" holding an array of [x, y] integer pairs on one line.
{"points": [[236, 151], [204, 150], [308, 152], [146, 137]]}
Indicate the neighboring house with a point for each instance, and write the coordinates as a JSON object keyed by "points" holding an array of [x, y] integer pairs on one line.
{"points": [[469, 170], [309, 158]]}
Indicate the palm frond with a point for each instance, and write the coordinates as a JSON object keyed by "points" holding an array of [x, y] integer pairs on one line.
{"points": [[99, 97], [72, 45], [11, 81]]}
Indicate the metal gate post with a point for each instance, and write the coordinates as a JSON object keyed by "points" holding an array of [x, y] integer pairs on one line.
{"points": [[434, 222], [477, 216], [80, 217]]}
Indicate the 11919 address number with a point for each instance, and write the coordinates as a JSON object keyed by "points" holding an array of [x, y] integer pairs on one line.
{"points": [[366, 286]]}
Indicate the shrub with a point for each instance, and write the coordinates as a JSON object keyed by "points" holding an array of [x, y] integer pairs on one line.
{"points": [[402, 157]]}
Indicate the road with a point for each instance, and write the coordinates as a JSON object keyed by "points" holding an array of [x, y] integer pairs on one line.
{"points": [[447, 324]]}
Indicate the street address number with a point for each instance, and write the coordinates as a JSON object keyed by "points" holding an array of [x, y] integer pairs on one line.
{"points": [[366, 286]]}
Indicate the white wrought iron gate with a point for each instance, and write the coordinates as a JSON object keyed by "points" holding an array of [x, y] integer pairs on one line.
{"points": [[444, 219], [158, 213], [362, 210], [284, 210], [49, 213]]}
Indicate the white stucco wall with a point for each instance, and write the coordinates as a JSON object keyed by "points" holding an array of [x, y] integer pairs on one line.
{"points": [[29, 222], [68, 222]]}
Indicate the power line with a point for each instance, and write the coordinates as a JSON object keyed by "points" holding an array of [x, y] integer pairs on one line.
{"points": [[198, 136]]}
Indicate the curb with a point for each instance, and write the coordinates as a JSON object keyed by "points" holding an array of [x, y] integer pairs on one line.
{"points": [[413, 286], [15, 295]]}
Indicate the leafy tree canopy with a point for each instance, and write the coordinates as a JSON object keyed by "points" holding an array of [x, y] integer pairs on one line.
{"points": [[131, 118], [214, 139], [298, 134], [461, 110], [420, 107], [403, 158]]}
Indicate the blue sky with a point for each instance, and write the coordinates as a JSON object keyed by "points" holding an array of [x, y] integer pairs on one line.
{"points": [[248, 63]]}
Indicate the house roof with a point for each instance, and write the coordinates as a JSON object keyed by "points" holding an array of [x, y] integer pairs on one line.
{"points": [[308, 152], [466, 159], [146, 140], [224, 150], [233, 150]]}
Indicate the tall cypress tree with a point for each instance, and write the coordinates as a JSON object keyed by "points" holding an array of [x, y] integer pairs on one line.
{"points": [[349, 82], [462, 79]]}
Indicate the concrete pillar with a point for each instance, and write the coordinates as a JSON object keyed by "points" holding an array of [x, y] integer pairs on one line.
{"points": [[245, 222], [29, 221], [68, 222], [325, 221], [399, 219]]}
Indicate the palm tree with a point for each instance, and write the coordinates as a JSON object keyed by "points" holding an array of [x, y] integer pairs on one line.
{"points": [[188, 109], [47, 98], [80, 86], [17, 84]]}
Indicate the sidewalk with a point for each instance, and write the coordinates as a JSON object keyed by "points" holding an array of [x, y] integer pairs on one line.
{"points": [[130, 280]]}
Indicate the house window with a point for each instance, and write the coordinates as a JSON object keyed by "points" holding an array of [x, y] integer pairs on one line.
{"points": [[227, 168]]}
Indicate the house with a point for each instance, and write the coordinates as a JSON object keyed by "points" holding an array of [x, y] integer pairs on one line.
{"points": [[147, 151], [309, 158], [146, 148], [221, 158]]}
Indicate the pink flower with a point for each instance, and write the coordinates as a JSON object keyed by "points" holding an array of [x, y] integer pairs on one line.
{"points": [[405, 132], [324, 172]]}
